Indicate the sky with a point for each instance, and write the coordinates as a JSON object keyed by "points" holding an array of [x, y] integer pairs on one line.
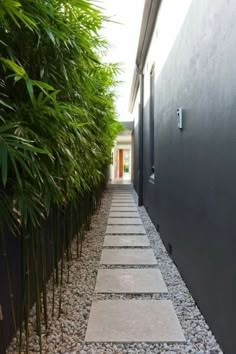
{"points": [[122, 35]]}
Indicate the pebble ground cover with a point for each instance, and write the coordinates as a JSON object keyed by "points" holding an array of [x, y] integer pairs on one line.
{"points": [[66, 334]]}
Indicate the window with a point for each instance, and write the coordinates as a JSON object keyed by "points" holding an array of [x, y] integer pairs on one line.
{"points": [[151, 123]]}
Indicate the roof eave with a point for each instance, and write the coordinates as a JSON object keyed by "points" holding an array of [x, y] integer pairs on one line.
{"points": [[150, 13]]}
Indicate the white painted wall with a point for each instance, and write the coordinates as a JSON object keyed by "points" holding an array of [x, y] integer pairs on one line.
{"points": [[170, 19]]}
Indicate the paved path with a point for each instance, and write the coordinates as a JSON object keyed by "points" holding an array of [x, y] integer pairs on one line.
{"points": [[131, 269]]}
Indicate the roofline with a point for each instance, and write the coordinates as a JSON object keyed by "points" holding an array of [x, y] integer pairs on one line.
{"points": [[150, 13], [128, 125]]}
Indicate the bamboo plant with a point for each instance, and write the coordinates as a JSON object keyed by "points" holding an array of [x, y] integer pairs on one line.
{"points": [[57, 127]]}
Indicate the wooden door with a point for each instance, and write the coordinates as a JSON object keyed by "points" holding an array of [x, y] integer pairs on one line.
{"points": [[121, 163]]}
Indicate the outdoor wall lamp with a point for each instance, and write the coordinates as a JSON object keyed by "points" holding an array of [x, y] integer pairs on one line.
{"points": [[180, 118]]}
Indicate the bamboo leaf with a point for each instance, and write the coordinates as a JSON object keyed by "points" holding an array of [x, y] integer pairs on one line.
{"points": [[18, 70], [4, 164], [6, 105], [30, 89], [42, 85]]}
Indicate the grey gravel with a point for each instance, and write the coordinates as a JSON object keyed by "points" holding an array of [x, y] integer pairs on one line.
{"points": [[66, 334], [198, 335]]}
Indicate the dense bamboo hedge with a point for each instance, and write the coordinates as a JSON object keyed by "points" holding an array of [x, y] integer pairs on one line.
{"points": [[57, 123]]}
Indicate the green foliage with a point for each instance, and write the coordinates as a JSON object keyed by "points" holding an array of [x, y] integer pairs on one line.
{"points": [[57, 116], [57, 127]]}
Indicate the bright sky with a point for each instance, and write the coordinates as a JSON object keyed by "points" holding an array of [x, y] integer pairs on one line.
{"points": [[123, 38]]}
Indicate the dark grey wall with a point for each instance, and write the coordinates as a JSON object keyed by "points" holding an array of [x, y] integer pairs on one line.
{"points": [[149, 199], [194, 196], [136, 154]]}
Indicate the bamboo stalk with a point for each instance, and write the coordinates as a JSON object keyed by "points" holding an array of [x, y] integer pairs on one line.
{"points": [[9, 280], [53, 262], [62, 266], [44, 277], [22, 292], [57, 233], [37, 287], [27, 293], [78, 222], [2, 337]]}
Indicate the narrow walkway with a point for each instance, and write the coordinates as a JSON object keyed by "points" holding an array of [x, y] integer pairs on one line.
{"points": [[134, 286], [128, 266]]}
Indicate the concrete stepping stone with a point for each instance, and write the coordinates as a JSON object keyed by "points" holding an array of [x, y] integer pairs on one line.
{"points": [[125, 229], [124, 214], [130, 281], [123, 204], [122, 192], [124, 221], [122, 195], [128, 321], [123, 208], [126, 241], [122, 200], [126, 200], [128, 256]]}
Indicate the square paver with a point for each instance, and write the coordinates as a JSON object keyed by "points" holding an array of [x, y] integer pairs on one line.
{"points": [[123, 200], [124, 221], [124, 214], [123, 193], [128, 256], [123, 208], [130, 281], [126, 241], [126, 321], [123, 204], [125, 229], [122, 197]]}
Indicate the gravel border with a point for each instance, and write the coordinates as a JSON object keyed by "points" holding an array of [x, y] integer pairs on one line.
{"points": [[66, 334], [199, 338]]}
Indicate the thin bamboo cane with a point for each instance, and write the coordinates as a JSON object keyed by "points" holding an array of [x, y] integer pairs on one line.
{"points": [[78, 226], [57, 234], [2, 336], [37, 287], [62, 266], [27, 292], [9, 280], [52, 230], [22, 292], [44, 277]]}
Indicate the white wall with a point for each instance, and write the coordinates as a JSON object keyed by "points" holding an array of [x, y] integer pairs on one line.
{"points": [[171, 16]]}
